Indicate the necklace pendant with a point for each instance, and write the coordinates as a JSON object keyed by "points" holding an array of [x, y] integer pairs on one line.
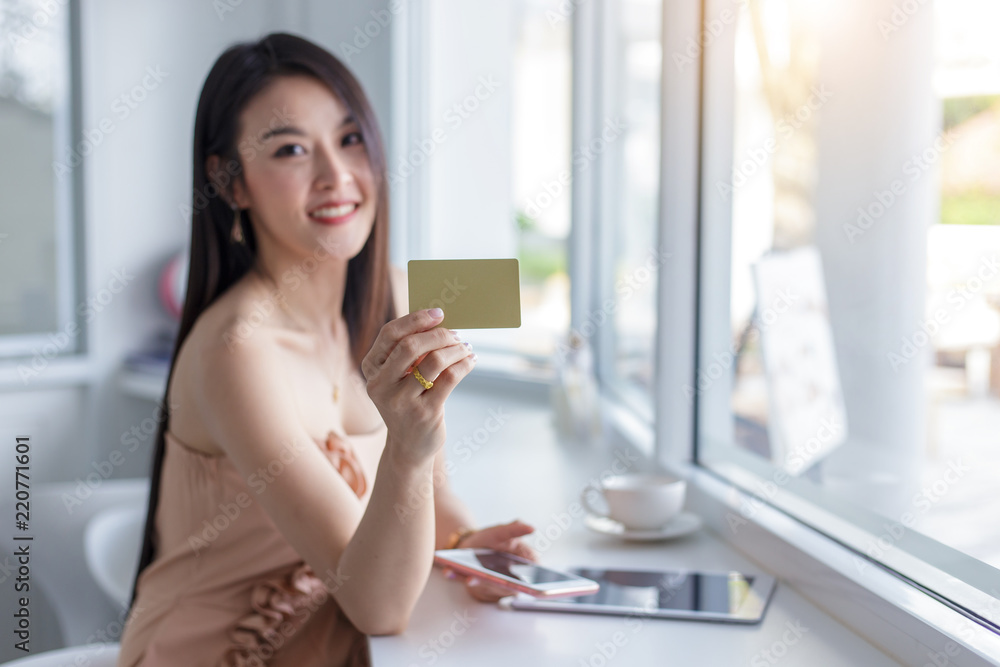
{"points": [[336, 393]]}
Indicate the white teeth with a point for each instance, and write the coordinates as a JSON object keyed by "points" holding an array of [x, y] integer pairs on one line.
{"points": [[333, 211]]}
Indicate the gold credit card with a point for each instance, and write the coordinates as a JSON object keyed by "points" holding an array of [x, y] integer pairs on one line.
{"points": [[473, 293]]}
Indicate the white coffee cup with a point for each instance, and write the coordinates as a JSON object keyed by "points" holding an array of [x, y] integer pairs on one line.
{"points": [[639, 501]]}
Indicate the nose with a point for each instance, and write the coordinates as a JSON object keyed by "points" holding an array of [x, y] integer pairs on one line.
{"points": [[332, 170]]}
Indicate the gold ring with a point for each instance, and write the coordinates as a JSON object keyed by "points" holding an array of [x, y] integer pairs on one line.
{"points": [[421, 379]]}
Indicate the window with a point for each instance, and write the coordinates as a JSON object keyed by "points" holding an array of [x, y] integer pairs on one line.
{"points": [[848, 323], [558, 105], [627, 198], [41, 168], [500, 97]]}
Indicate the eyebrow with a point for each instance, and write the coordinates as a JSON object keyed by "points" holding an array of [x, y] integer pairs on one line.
{"points": [[289, 129]]}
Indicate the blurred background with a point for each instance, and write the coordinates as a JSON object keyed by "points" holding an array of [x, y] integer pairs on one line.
{"points": [[848, 256]]}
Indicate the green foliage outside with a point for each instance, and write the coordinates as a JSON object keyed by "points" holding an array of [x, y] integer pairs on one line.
{"points": [[957, 110], [538, 256], [970, 208]]}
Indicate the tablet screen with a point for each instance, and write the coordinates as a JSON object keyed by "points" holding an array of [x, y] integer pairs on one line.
{"points": [[721, 593], [726, 597]]}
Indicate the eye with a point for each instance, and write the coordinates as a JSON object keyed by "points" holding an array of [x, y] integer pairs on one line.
{"points": [[352, 138], [289, 149]]}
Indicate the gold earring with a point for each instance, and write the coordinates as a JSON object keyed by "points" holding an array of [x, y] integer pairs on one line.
{"points": [[237, 235]]}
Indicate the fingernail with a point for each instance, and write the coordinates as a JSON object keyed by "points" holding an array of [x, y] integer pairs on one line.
{"points": [[435, 313], [454, 334], [468, 345], [475, 358], [473, 581]]}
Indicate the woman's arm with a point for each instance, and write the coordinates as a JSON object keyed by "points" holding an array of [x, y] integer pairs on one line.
{"points": [[374, 562], [450, 514]]}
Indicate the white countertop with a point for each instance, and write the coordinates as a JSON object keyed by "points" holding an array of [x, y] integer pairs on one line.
{"points": [[525, 471]]}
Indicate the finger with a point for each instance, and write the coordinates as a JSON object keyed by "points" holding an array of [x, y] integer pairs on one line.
{"points": [[523, 550], [507, 531], [392, 332], [435, 362], [413, 347], [486, 591], [447, 380]]}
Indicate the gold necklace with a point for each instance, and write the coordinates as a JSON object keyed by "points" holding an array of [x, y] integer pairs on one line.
{"points": [[280, 298]]}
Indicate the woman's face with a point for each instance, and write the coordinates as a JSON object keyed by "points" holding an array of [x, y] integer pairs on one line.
{"points": [[307, 179]]}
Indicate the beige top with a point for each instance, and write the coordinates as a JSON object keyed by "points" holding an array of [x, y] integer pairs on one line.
{"points": [[226, 588]]}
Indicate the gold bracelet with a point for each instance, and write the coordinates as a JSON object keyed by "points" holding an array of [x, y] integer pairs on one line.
{"points": [[458, 536]]}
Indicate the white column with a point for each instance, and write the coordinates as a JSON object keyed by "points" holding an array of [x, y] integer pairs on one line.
{"points": [[881, 113]]}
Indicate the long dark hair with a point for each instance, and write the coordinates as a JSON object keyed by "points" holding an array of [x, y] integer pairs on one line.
{"points": [[240, 73]]}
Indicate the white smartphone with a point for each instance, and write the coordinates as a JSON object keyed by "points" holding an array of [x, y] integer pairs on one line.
{"points": [[514, 572]]}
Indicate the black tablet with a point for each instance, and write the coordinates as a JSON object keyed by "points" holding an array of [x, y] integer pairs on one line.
{"points": [[728, 597]]}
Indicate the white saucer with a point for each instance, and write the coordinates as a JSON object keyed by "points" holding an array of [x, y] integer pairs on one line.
{"points": [[682, 524]]}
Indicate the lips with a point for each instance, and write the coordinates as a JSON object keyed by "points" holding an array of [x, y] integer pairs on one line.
{"points": [[332, 214]]}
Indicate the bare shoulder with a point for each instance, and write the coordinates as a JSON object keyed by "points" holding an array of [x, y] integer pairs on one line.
{"points": [[397, 277], [231, 343]]}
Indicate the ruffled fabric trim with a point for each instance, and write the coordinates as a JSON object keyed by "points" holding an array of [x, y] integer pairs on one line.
{"points": [[281, 606], [346, 462]]}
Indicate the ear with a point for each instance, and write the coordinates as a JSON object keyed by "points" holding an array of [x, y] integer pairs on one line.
{"points": [[227, 180]]}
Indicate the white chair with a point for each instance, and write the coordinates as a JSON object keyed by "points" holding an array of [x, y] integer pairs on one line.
{"points": [[69, 607], [93, 655], [111, 546]]}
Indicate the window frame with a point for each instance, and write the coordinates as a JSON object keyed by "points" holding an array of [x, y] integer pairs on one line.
{"points": [[20, 349]]}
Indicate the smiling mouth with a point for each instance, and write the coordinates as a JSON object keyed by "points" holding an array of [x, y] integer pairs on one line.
{"points": [[334, 214]]}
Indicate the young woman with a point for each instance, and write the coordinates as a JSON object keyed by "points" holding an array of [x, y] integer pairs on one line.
{"points": [[298, 488]]}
